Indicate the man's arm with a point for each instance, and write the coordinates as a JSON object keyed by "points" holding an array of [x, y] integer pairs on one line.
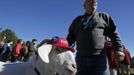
{"points": [[71, 37], [111, 32]]}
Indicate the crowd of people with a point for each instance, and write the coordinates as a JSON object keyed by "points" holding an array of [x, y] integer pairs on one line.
{"points": [[19, 52]]}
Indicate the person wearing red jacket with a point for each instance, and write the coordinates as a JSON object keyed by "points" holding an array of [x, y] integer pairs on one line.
{"points": [[113, 63], [124, 66], [17, 50]]}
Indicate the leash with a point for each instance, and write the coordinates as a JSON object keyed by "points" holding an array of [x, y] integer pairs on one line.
{"points": [[37, 71]]}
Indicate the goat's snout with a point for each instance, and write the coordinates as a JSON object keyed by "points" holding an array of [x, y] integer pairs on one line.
{"points": [[58, 73], [72, 68]]}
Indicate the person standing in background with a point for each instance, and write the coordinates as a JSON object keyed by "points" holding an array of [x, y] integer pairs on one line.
{"points": [[113, 63], [1, 48], [124, 66], [27, 49], [17, 50], [6, 54], [33, 48]]}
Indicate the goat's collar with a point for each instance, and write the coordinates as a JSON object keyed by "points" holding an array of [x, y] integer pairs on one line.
{"points": [[37, 71]]}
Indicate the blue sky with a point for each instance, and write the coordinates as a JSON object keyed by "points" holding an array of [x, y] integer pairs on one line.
{"points": [[46, 18]]}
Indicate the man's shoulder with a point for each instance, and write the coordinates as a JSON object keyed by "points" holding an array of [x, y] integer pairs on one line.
{"points": [[105, 14], [78, 17]]}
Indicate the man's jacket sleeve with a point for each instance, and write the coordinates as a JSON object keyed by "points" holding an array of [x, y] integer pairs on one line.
{"points": [[71, 37], [113, 34]]}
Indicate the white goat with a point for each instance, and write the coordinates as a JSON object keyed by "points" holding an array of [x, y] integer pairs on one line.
{"points": [[50, 59]]}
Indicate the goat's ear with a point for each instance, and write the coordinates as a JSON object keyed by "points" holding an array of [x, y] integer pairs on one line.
{"points": [[44, 51]]}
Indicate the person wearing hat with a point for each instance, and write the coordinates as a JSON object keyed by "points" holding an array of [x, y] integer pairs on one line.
{"points": [[89, 31]]}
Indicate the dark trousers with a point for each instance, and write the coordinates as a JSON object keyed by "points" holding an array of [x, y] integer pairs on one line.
{"points": [[92, 65]]}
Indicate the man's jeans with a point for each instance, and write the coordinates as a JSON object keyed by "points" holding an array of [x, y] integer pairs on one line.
{"points": [[92, 65]]}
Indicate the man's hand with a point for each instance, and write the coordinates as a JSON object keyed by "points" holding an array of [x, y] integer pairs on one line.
{"points": [[120, 56]]}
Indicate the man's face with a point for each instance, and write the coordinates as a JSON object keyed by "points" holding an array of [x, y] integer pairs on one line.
{"points": [[11, 42], [34, 42], [109, 44], [90, 6]]}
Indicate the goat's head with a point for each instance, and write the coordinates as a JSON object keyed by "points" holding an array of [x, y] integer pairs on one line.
{"points": [[59, 59]]}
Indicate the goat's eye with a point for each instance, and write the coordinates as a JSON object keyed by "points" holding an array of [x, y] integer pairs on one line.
{"points": [[59, 50]]}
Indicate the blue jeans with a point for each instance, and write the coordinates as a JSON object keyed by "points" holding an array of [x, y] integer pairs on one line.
{"points": [[92, 65]]}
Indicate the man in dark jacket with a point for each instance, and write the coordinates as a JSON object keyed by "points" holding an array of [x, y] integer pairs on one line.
{"points": [[89, 31], [6, 54], [33, 49]]}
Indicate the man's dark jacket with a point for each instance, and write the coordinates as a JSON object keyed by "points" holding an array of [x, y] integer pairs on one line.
{"points": [[90, 39]]}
